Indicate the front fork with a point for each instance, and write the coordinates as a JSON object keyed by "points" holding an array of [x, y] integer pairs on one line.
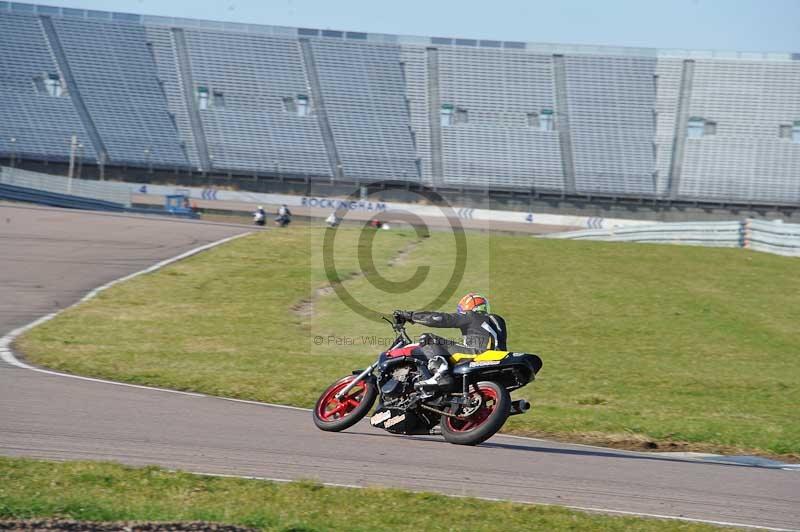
{"points": [[339, 396]]}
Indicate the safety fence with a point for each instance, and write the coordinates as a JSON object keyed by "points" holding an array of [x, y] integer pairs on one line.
{"points": [[40, 197], [322, 206], [125, 193], [768, 236], [57, 191], [97, 190], [772, 237]]}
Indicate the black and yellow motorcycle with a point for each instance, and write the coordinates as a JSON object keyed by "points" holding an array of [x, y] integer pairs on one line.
{"points": [[470, 411]]}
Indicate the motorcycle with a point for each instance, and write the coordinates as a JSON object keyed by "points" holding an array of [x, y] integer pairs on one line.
{"points": [[469, 411]]}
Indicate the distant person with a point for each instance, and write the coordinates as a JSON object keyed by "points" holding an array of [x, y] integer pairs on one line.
{"points": [[260, 216], [332, 220], [377, 224], [284, 217]]}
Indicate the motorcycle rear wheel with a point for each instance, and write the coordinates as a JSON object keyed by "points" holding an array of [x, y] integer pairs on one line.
{"points": [[333, 415], [485, 422]]}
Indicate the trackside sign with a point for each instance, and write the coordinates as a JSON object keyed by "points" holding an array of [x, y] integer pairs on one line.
{"points": [[335, 204], [326, 205]]}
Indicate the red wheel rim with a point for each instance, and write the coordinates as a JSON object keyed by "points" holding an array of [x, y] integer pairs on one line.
{"points": [[331, 409], [477, 419]]}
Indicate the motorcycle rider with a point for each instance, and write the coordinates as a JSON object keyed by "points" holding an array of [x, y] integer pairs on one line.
{"points": [[284, 216], [332, 220], [481, 331], [260, 216]]}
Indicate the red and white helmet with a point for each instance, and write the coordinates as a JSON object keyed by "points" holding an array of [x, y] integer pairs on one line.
{"points": [[474, 302]]}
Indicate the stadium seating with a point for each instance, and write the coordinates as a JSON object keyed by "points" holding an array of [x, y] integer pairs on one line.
{"points": [[40, 125], [254, 130], [364, 96], [611, 107], [249, 99], [166, 59], [500, 144], [668, 74], [745, 157], [116, 76]]}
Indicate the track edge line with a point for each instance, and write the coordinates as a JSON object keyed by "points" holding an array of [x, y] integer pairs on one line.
{"points": [[494, 499]]}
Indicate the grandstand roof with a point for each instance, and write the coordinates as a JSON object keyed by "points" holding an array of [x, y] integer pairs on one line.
{"points": [[152, 20]]}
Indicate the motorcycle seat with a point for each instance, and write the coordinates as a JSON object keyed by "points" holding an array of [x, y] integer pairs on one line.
{"points": [[491, 354], [530, 359]]}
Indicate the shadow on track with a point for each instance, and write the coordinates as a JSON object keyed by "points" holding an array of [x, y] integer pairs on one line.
{"points": [[631, 455]]}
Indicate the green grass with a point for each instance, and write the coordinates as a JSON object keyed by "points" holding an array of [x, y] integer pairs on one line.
{"points": [[693, 346], [97, 491]]}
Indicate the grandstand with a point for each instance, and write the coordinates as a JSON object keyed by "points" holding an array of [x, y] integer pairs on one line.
{"points": [[212, 98]]}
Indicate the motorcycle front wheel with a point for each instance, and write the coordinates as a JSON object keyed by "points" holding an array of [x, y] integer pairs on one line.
{"points": [[484, 422], [333, 415]]}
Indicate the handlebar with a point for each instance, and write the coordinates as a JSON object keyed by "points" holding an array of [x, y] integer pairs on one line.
{"points": [[398, 325]]}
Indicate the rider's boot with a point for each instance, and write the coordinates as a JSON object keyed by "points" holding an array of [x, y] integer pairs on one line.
{"points": [[441, 379]]}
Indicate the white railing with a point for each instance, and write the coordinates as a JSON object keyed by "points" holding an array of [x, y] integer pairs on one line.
{"points": [[101, 190], [771, 237]]}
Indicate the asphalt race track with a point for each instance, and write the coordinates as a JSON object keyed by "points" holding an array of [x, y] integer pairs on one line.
{"points": [[50, 258]]}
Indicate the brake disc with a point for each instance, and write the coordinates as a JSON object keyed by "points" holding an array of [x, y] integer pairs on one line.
{"points": [[474, 405]]}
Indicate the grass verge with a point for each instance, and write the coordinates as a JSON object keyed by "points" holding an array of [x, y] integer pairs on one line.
{"points": [[98, 491], [671, 347]]}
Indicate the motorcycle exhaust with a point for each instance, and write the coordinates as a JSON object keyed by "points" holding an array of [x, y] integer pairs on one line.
{"points": [[520, 406]]}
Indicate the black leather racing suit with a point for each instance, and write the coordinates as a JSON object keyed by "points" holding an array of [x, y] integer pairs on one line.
{"points": [[480, 332]]}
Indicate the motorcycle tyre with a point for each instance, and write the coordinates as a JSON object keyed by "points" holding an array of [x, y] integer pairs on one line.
{"points": [[488, 428], [370, 394]]}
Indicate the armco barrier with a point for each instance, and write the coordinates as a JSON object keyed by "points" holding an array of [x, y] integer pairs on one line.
{"points": [[29, 195], [770, 237], [40, 197], [57, 184]]}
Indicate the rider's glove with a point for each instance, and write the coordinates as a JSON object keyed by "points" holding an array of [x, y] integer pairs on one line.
{"points": [[402, 316]]}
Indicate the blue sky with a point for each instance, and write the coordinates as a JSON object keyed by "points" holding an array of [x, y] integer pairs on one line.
{"points": [[758, 25]]}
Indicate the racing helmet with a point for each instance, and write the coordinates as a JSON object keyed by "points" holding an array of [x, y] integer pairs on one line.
{"points": [[474, 302]]}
